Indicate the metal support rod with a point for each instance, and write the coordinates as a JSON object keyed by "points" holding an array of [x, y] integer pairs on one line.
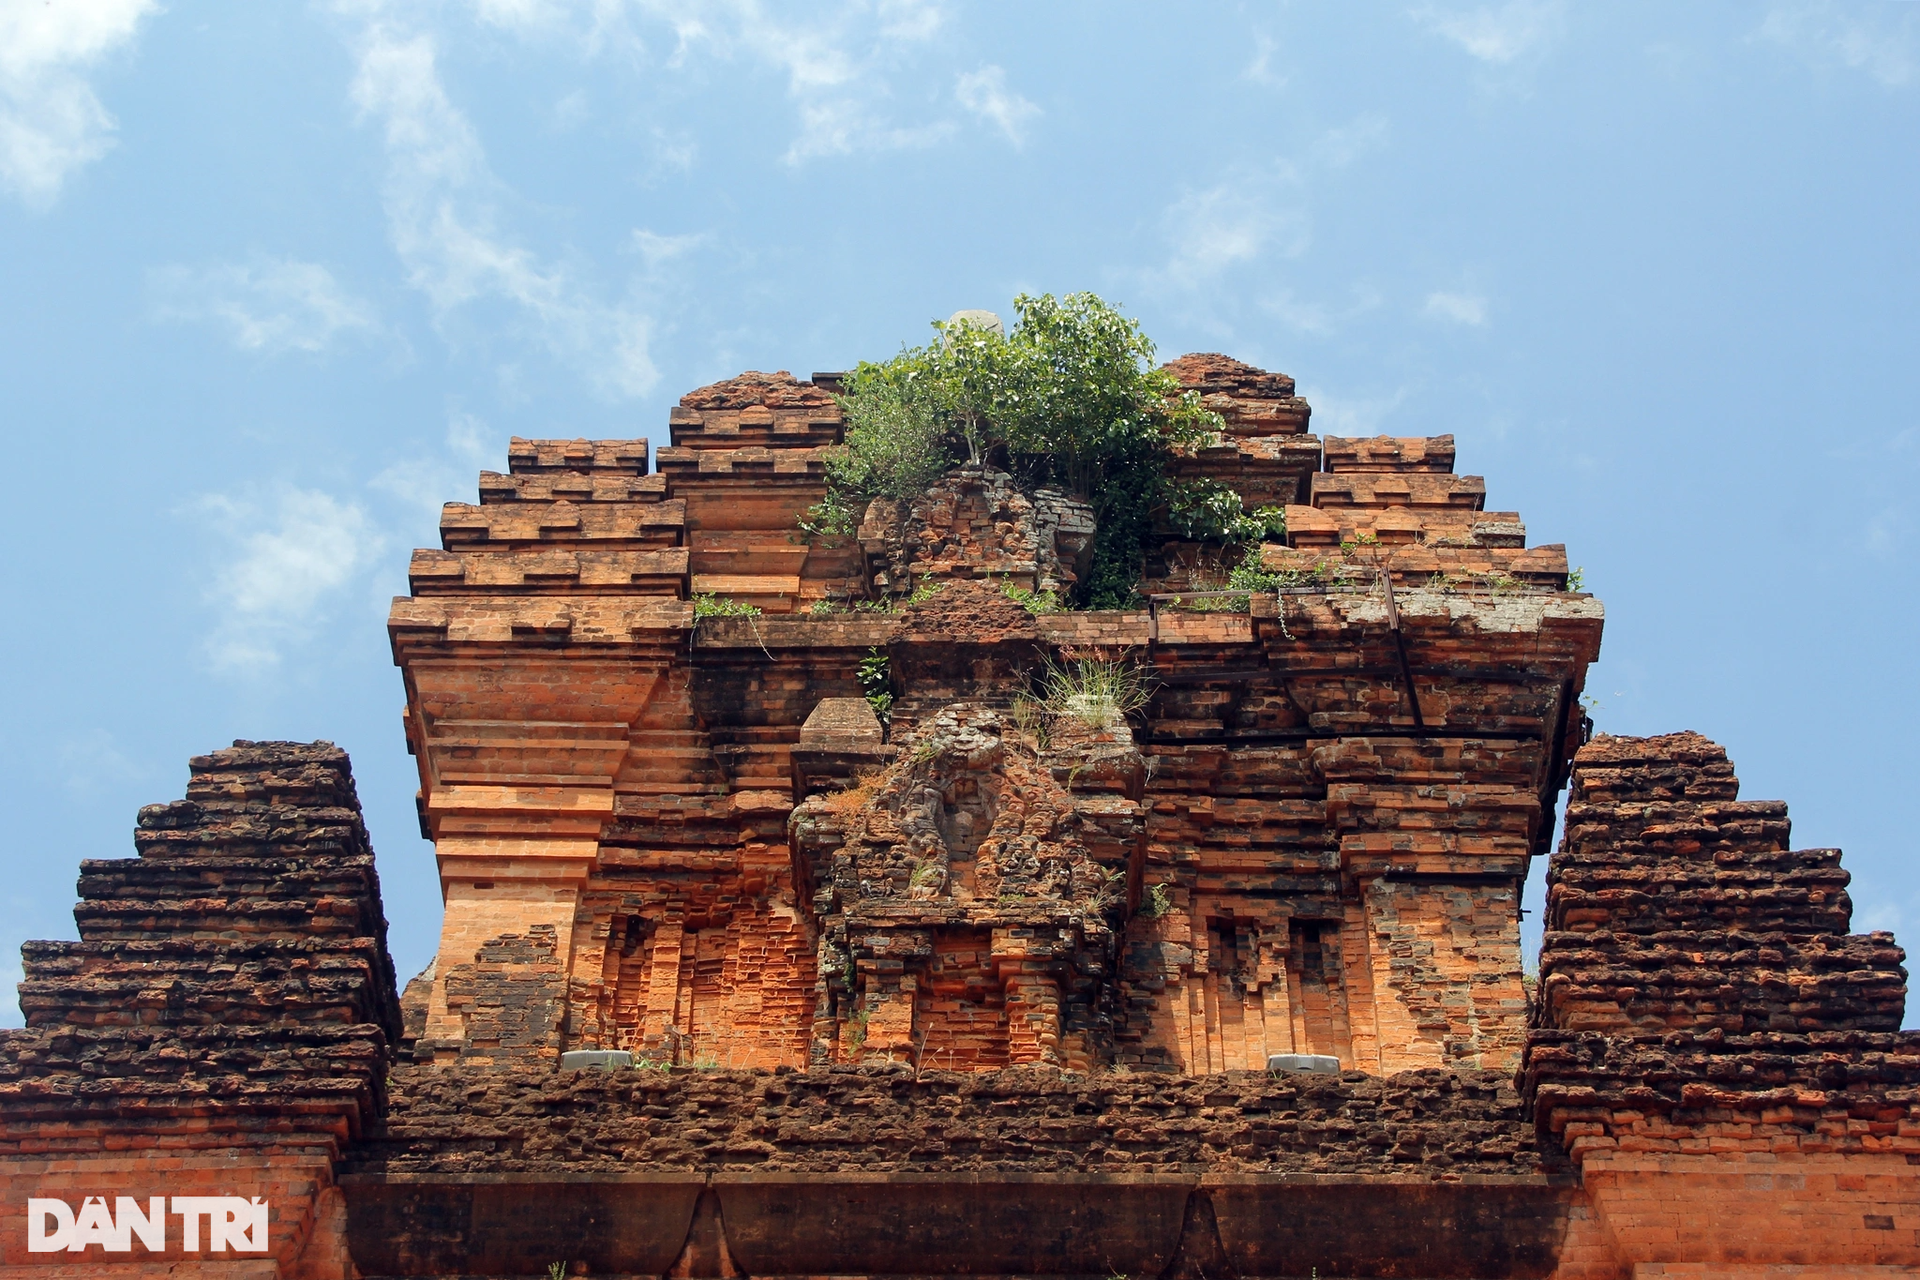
{"points": [[1400, 647]]}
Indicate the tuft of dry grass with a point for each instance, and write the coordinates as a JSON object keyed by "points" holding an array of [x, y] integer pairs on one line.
{"points": [[1094, 690], [866, 784]]}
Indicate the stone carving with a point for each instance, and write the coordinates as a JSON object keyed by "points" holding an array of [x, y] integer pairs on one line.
{"points": [[977, 523], [965, 916]]}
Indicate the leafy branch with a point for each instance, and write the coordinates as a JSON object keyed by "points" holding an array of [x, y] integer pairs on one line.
{"points": [[1071, 397]]}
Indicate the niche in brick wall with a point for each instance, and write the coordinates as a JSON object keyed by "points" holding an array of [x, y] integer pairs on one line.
{"points": [[1316, 990], [960, 1005]]}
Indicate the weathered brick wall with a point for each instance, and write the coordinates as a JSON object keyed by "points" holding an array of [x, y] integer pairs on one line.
{"points": [[1720, 1058], [225, 1023], [1431, 1123], [878, 1170], [1344, 781], [978, 523], [693, 839], [1674, 906]]}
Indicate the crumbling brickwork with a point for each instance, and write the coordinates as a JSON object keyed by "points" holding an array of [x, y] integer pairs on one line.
{"points": [[225, 1023], [977, 523], [925, 959], [1720, 1057], [1334, 796], [1431, 1123]]}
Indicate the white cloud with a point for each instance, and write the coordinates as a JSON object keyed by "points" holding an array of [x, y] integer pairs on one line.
{"points": [[1316, 317], [1459, 308], [1339, 415], [1230, 225], [1886, 909], [1257, 213], [985, 93], [841, 126], [90, 762], [1339, 147], [1305, 317], [1502, 35], [673, 150], [591, 26], [910, 20], [442, 221], [268, 304], [521, 14], [837, 60], [51, 122], [1259, 68], [1857, 37], [1886, 533], [658, 250], [837, 57], [429, 483], [571, 111], [292, 551]]}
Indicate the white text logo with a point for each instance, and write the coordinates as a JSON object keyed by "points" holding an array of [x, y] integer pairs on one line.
{"points": [[232, 1222]]}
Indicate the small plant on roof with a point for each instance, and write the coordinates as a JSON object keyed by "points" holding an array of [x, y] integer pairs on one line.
{"points": [[1252, 575], [1071, 397], [1034, 602], [856, 1034], [1499, 584], [708, 605], [1095, 691], [874, 672], [918, 596]]}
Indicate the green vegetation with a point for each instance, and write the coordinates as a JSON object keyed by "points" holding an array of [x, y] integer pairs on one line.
{"points": [[1498, 584], [1070, 397], [875, 675], [1156, 902], [1210, 602], [1250, 575], [1035, 602], [708, 605], [1214, 513], [856, 1036], [1093, 690], [919, 596]]}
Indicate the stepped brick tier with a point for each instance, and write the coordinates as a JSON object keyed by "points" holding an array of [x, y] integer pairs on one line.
{"points": [[225, 1025], [988, 983]]}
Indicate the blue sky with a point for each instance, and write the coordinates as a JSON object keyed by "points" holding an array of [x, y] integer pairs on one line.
{"points": [[276, 280]]}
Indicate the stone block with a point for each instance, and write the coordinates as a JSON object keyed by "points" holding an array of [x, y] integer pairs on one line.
{"points": [[1320, 1063], [599, 1059]]}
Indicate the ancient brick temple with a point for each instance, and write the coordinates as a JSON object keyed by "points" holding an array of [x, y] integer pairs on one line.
{"points": [[906, 955]]}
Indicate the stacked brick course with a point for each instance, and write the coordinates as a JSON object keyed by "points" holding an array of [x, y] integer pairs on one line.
{"points": [[923, 972], [225, 1022], [1339, 788], [1720, 1057], [1431, 1124]]}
